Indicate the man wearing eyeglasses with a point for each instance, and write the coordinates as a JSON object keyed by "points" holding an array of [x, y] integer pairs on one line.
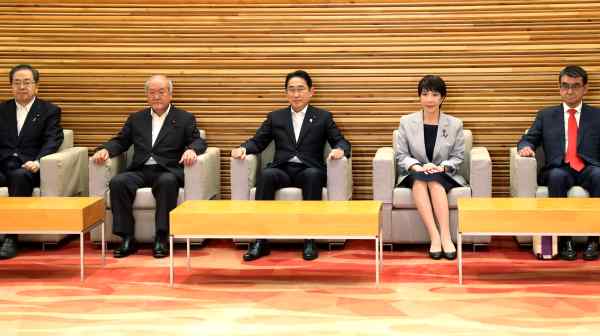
{"points": [[29, 129], [164, 138], [570, 136], [300, 132]]}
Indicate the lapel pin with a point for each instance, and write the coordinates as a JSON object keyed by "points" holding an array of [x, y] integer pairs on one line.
{"points": [[444, 133], [310, 120]]}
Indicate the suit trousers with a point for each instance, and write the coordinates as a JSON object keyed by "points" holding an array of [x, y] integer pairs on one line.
{"points": [[20, 182], [560, 180], [123, 188], [291, 174]]}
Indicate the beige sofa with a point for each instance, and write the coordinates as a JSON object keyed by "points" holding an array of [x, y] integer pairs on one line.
{"points": [[64, 173], [401, 221], [202, 182], [244, 174]]}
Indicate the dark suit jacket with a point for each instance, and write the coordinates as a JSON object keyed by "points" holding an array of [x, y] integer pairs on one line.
{"points": [[548, 130], [318, 126], [178, 133], [41, 133]]}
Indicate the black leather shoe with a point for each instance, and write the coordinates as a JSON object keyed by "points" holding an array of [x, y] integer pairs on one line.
{"points": [[568, 250], [8, 249], [128, 246], [437, 255], [591, 249], [310, 252], [257, 249], [160, 249], [450, 255]]}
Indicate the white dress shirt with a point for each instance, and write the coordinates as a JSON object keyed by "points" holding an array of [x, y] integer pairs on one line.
{"points": [[22, 112], [566, 116], [157, 124], [297, 120]]}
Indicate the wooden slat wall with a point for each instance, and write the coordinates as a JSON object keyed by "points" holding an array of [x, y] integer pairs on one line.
{"points": [[229, 58]]}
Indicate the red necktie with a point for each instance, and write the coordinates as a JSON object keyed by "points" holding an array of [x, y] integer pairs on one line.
{"points": [[572, 158]]}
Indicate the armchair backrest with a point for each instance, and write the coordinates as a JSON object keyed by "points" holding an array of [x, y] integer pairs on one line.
{"points": [[464, 167], [266, 156], [67, 140], [129, 153]]}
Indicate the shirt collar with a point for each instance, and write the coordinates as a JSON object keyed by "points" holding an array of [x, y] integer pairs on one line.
{"points": [[25, 107], [164, 115], [301, 113], [578, 107]]}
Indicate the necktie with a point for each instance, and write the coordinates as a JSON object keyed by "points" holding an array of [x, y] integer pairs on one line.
{"points": [[572, 158]]}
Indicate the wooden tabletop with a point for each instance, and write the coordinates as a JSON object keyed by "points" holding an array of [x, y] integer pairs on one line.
{"points": [[530, 215], [286, 218], [49, 214]]}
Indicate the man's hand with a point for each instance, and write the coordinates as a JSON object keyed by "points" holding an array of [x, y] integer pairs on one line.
{"points": [[238, 153], [335, 154], [31, 166], [189, 157], [100, 156], [526, 151]]}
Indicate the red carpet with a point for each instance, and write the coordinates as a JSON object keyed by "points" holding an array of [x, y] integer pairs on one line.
{"points": [[506, 292]]}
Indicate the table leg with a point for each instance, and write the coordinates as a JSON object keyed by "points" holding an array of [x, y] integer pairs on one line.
{"points": [[377, 260], [171, 261], [81, 256], [103, 230], [380, 249], [459, 243], [189, 262]]}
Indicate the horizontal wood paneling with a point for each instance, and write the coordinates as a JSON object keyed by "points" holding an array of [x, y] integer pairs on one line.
{"points": [[229, 58]]}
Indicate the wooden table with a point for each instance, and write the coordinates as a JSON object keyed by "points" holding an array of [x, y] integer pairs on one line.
{"points": [[53, 215], [277, 219], [527, 217]]}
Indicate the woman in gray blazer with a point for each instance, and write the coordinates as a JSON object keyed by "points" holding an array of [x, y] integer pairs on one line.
{"points": [[429, 149]]}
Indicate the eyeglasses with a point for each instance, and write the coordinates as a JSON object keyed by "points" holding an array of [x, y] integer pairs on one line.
{"points": [[567, 86], [25, 83], [293, 89]]}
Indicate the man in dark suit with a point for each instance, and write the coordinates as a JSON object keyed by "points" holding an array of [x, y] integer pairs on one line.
{"points": [[29, 129], [570, 136], [163, 137], [300, 132]]}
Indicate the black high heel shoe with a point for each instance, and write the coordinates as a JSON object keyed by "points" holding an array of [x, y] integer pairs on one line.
{"points": [[435, 255]]}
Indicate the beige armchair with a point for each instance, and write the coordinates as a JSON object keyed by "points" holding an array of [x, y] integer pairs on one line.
{"points": [[401, 221], [202, 182], [244, 174], [64, 173], [524, 182]]}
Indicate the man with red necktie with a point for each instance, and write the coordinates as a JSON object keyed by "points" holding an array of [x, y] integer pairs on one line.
{"points": [[570, 136]]}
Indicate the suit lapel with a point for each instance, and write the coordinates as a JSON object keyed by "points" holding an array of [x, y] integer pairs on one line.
{"points": [[558, 119], [442, 132], [11, 119], [583, 123], [419, 139], [147, 124], [32, 117], [287, 116], [309, 118], [169, 122]]}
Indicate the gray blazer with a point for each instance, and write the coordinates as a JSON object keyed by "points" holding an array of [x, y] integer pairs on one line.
{"points": [[449, 147]]}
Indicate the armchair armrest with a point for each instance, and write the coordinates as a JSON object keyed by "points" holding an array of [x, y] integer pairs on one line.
{"points": [[243, 176], [384, 174], [523, 175], [480, 172], [100, 175], [339, 179], [64, 173], [203, 178]]}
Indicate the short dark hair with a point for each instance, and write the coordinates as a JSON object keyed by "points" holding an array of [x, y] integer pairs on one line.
{"points": [[36, 74], [432, 83], [574, 71], [299, 73]]}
